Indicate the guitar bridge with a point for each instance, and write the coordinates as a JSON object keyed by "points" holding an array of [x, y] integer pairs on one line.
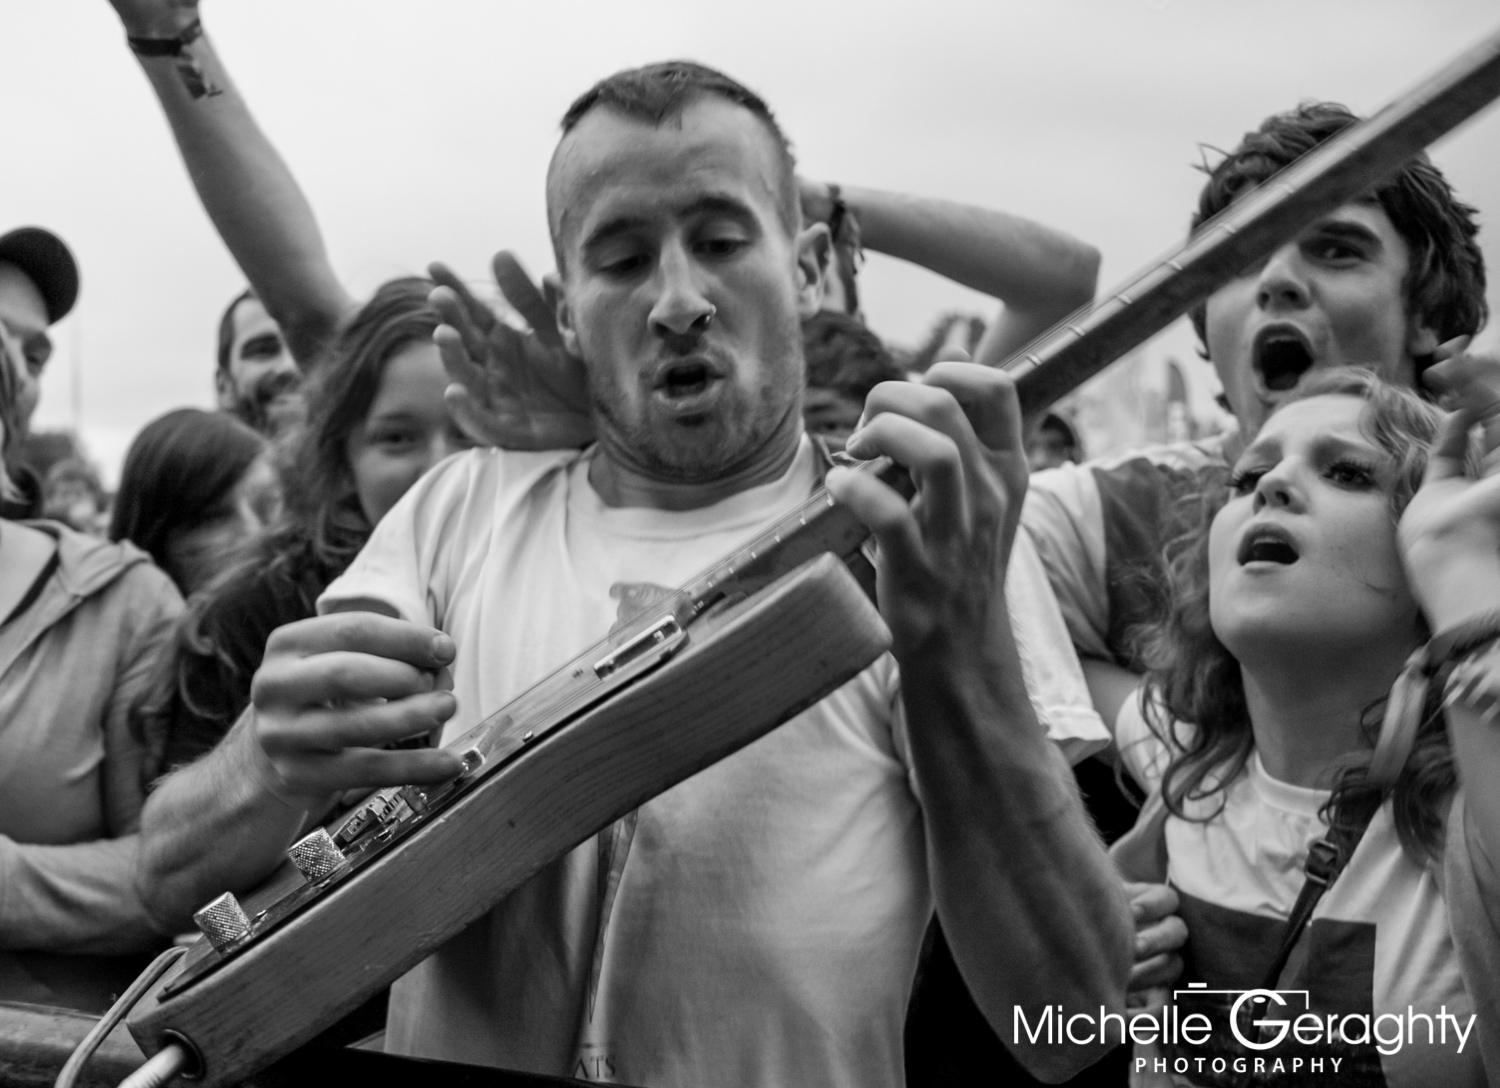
{"points": [[658, 640]]}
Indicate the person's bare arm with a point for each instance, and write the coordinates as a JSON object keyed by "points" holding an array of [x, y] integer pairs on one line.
{"points": [[245, 185], [1109, 686], [1450, 544], [312, 730], [1039, 273], [1030, 902]]}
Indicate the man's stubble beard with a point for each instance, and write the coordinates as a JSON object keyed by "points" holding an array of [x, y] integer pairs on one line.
{"points": [[717, 450], [272, 405], [726, 445]]}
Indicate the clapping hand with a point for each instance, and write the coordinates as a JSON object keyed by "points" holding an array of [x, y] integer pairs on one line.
{"points": [[1450, 532], [518, 390]]}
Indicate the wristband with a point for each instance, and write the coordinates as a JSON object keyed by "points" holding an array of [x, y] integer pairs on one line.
{"points": [[1472, 685], [838, 211], [1447, 648], [1435, 661], [167, 47], [188, 69]]}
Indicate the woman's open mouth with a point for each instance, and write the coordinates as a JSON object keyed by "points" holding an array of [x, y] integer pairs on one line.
{"points": [[1267, 544]]}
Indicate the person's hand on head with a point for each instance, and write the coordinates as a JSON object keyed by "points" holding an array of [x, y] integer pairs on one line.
{"points": [[1450, 531], [516, 390], [943, 556], [333, 690], [155, 18], [1159, 935], [815, 199]]}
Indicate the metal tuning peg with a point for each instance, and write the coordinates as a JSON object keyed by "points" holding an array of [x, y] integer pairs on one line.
{"points": [[223, 921], [317, 856]]}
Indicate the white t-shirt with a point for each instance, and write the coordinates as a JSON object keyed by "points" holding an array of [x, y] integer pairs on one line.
{"points": [[1380, 941], [766, 914]]}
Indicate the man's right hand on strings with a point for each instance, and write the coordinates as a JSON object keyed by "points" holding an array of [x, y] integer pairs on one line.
{"points": [[334, 690]]}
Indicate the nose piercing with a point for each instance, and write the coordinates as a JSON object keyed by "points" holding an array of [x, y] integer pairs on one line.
{"points": [[708, 318]]}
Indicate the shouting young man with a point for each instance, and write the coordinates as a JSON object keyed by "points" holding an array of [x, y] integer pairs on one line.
{"points": [[758, 924], [1380, 282]]}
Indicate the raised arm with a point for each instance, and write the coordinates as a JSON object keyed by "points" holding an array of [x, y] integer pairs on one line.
{"points": [[1450, 542], [1040, 274], [244, 184], [1030, 903]]}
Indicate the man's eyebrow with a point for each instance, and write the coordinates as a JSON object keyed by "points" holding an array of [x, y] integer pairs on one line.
{"points": [[1346, 229], [261, 340], [612, 228], [706, 204], [720, 204]]}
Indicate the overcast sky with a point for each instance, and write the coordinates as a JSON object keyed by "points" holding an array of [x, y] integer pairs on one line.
{"points": [[421, 130]]}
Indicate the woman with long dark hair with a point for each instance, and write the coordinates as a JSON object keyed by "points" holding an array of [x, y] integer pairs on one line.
{"points": [[375, 422], [194, 490], [1328, 835]]}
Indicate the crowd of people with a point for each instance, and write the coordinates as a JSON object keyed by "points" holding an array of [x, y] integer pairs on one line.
{"points": [[1205, 720]]}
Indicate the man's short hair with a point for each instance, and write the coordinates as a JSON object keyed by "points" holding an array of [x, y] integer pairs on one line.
{"points": [[226, 328], [657, 93], [1445, 284]]}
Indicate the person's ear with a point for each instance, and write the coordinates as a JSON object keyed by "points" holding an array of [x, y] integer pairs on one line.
{"points": [[557, 298], [1421, 339], [814, 261], [224, 390]]}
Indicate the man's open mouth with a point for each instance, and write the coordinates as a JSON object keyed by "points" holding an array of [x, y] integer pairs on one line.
{"points": [[1267, 544], [685, 379], [1281, 357]]}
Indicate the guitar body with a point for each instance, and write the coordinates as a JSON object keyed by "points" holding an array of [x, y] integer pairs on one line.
{"points": [[744, 668]]}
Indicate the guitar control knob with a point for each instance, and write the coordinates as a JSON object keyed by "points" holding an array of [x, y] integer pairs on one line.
{"points": [[223, 921], [317, 856]]}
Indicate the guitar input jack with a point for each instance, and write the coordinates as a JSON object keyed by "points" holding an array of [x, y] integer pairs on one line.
{"points": [[171, 1060]]}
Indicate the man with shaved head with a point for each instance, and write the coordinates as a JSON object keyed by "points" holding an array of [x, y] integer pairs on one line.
{"points": [[758, 924]]}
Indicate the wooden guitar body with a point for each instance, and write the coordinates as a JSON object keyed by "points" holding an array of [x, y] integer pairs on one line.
{"points": [[744, 668]]}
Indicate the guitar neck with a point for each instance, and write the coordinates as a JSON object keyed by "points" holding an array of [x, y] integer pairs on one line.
{"points": [[1078, 347]]}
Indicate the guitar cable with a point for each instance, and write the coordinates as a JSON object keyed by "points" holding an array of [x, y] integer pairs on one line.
{"points": [[162, 1067]]}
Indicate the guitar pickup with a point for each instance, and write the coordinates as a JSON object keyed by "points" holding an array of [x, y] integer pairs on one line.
{"points": [[655, 643]]}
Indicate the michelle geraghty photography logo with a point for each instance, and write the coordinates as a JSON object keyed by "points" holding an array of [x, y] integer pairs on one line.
{"points": [[1240, 1031]]}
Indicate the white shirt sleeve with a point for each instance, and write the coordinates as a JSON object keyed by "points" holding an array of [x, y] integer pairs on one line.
{"points": [[1054, 678], [401, 568], [1143, 752], [1064, 516]]}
